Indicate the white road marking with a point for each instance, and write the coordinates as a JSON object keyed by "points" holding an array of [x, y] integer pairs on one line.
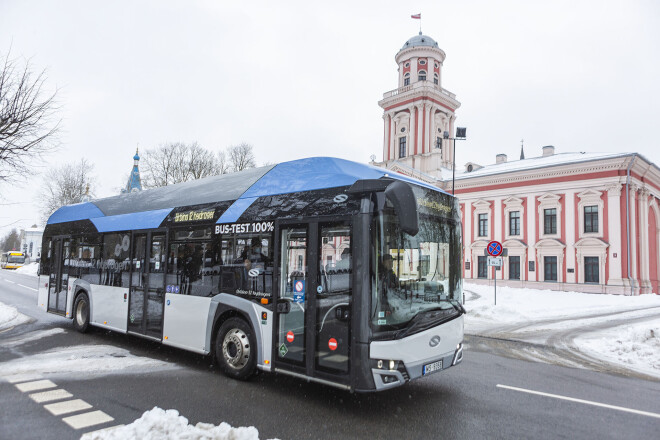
{"points": [[66, 407], [34, 386], [9, 281], [22, 378], [93, 434], [586, 402], [31, 288], [48, 396], [88, 419]]}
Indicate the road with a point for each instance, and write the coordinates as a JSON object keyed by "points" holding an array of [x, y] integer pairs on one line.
{"points": [[487, 396]]}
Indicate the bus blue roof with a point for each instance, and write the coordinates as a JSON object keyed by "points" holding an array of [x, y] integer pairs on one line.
{"points": [[147, 209]]}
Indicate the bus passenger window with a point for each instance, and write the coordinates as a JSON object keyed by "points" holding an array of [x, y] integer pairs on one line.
{"points": [[115, 265], [247, 266]]}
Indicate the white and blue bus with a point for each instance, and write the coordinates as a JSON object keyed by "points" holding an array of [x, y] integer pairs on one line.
{"points": [[324, 269]]}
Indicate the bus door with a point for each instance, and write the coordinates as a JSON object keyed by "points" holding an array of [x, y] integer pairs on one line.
{"points": [[312, 328], [147, 290], [58, 285]]}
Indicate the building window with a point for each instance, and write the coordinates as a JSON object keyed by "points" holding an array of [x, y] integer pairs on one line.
{"points": [[514, 223], [483, 225], [435, 79], [422, 62], [549, 268], [402, 147], [514, 268], [482, 268], [591, 219], [550, 221], [591, 269], [421, 75], [406, 79]]}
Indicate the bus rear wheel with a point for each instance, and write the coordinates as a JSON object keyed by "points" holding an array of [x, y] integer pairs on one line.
{"points": [[81, 313], [236, 349]]}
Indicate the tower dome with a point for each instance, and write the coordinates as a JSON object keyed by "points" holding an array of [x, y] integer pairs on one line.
{"points": [[420, 40]]}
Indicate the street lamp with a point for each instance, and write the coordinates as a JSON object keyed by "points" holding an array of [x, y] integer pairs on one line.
{"points": [[460, 135]]}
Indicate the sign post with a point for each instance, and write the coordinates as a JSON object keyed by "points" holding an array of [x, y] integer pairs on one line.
{"points": [[495, 249]]}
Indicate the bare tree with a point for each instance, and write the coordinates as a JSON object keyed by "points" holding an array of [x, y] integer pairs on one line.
{"points": [[11, 241], [65, 185], [241, 157], [27, 117], [202, 162], [177, 162], [222, 166]]}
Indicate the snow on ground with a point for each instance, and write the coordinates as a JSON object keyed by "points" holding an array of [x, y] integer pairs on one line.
{"points": [[31, 336], [636, 346], [29, 269], [633, 345], [516, 306], [163, 424], [10, 317], [87, 359]]}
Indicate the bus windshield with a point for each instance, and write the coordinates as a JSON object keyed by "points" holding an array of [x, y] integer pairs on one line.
{"points": [[16, 259], [415, 274]]}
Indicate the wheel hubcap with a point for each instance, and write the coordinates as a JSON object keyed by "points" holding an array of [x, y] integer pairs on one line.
{"points": [[81, 312], [236, 348]]}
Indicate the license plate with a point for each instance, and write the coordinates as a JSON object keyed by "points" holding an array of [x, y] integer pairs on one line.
{"points": [[430, 368]]}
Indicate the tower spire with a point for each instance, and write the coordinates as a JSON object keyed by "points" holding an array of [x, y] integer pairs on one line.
{"points": [[522, 150]]}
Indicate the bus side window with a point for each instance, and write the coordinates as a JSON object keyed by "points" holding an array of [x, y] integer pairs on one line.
{"points": [[247, 265]]}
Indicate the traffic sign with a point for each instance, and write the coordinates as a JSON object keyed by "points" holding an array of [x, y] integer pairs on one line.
{"points": [[494, 248], [495, 261]]}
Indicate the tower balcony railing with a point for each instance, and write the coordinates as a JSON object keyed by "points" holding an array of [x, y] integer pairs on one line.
{"points": [[418, 85]]}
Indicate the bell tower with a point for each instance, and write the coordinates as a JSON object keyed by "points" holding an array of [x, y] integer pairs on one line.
{"points": [[419, 111]]}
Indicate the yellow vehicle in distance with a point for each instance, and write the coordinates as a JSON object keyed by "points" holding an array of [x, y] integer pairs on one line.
{"points": [[12, 260]]}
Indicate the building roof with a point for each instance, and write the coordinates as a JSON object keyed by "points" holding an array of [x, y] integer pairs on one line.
{"points": [[536, 163], [420, 40], [148, 208]]}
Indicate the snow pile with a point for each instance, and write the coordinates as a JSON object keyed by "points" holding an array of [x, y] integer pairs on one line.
{"points": [[163, 424], [636, 346], [29, 269], [523, 305], [10, 317], [89, 359]]}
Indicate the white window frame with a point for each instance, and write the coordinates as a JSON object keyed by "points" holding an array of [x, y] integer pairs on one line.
{"points": [[550, 248], [481, 207], [549, 201], [591, 247], [590, 197], [513, 204]]}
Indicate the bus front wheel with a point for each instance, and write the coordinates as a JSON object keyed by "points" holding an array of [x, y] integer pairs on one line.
{"points": [[236, 349], [81, 313]]}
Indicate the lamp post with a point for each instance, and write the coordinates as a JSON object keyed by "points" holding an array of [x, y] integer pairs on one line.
{"points": [[460, 135]]}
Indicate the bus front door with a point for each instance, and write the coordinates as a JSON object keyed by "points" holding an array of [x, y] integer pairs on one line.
{"points": [[147, 291], [58, 285], [312, 328]]}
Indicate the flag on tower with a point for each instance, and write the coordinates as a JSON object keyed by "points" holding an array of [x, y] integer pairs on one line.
{"points": [[416, 16]]}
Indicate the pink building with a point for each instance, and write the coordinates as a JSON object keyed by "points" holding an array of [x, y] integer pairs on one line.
{"points": [[569, 221]]}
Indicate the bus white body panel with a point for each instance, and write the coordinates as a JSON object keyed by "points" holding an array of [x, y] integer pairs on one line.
{"points": [[42, 295], [108, 307], [419, 350], [184, 322]]}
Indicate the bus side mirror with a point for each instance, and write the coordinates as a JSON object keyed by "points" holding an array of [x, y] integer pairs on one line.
{"points": [[283, 306], [401, 195]]}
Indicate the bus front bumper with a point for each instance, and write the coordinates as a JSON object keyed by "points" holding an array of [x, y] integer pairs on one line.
{"points": [[393, 363]]}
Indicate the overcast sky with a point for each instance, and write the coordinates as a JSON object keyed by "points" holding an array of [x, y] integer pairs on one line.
{"points": [[299, 78]]}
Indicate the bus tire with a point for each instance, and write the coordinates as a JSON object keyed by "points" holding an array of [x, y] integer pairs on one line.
{"points": [[236, 349], [81, 313]]}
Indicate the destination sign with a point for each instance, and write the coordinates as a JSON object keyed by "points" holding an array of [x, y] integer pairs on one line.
{"points": [[245, 228], [194, 216]]}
